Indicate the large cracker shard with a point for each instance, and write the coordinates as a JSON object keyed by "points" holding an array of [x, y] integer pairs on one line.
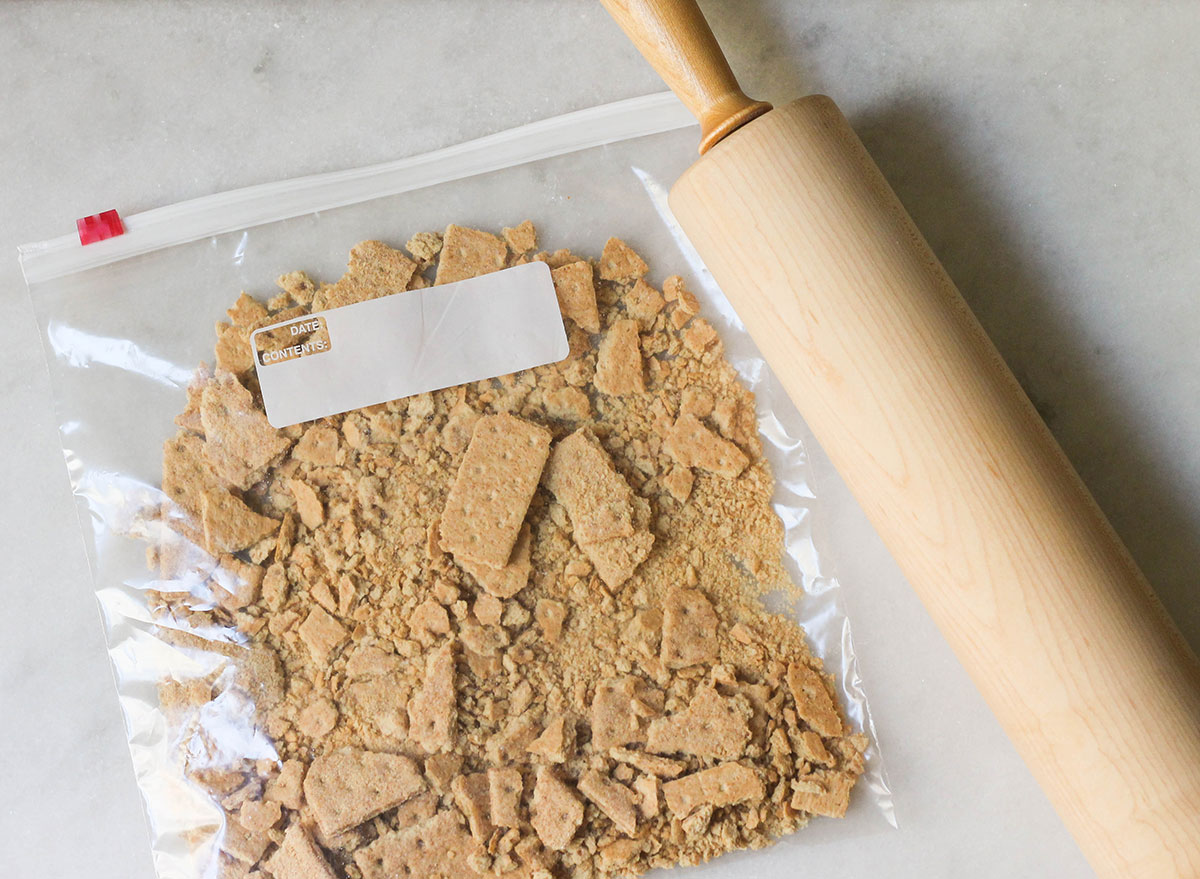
{"points": [[612, 798], [813, 702], [694, 445], [298, 857], [374, 270], [186, 472], [620, 710], [468, 253], [610, 523], [472, 795], [689, 634], [507, 581], [557, 811], [823, 793], [437, 848], [347, 787], [576, 292], [433, 711], [722, 785], [486, 505], [619, 360], [229, 525], [239, 443], [711, 726]]}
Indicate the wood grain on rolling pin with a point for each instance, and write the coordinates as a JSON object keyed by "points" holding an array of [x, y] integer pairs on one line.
{"points": [[987, 518]]}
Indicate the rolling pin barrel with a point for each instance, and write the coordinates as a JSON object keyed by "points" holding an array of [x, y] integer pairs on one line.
{"points": [[985, 515], [993, 528]]}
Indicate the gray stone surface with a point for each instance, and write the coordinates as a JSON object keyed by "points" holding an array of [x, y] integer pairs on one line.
{"points": [[1050, 152]]}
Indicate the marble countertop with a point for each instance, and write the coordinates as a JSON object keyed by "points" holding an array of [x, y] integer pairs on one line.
{"points": [[1050, 153]]}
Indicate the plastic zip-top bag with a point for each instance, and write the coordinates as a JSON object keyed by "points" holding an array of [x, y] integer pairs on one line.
{"points": [[490, 551]]}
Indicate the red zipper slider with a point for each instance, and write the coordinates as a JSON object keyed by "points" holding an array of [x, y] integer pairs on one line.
{"points": [[99, 226]]}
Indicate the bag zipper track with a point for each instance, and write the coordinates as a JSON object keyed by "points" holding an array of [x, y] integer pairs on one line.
{"points": [[269, 202]]}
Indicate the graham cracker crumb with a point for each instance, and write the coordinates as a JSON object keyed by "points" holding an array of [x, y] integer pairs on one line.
{"points": [[472, 795], [318, 446], [442, 769], [601, 507], [569, 404], [557, 741], [679, 483], [239, 444], [823, 793], [374, 270], [651, 764], [643, 303], [550, 615], [424, 247], [505, 789], [229, 525], [601, 638], [308, 505], [711, 726], [322, 634], [620, 709], [700, 336], [299, 287]]}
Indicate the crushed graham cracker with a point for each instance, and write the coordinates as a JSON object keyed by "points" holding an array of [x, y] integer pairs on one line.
{"points": [[512, 628]]}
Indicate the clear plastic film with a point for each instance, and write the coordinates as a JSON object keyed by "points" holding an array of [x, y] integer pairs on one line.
{"points": [[126, 320]]}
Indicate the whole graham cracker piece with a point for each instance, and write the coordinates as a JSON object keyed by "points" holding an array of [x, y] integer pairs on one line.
{"points": [[495, 483]]}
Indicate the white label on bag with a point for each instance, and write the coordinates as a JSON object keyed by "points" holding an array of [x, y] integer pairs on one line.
{"points": [[408, 343]]}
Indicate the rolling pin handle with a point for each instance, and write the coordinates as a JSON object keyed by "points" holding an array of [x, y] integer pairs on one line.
{"points": [[674, 37]]}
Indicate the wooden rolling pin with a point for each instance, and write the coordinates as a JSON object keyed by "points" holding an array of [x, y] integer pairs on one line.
{"points": [[988, 520]]}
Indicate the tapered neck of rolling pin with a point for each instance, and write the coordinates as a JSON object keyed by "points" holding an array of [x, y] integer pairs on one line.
{"points": [[674, 37]]}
